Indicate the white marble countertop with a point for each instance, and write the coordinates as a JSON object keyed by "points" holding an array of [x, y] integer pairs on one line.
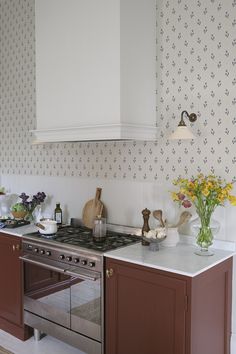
{"points": [[180, 259], [19, 231]]}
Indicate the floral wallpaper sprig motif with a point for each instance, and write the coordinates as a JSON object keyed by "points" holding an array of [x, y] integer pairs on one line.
{"points": [[196, 71]]}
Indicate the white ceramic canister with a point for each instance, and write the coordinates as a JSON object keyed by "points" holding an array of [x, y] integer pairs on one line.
{"points": [[172, 237]]}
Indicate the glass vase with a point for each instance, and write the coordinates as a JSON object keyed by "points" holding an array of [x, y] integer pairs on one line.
{"points": [[204, 229], [196, 224], [204, 241], [30, 216]]}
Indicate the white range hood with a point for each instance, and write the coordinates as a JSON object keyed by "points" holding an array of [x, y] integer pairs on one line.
{"points": [[95, 70]]}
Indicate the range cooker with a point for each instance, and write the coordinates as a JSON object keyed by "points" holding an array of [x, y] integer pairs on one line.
{"points": [[65, 295]]}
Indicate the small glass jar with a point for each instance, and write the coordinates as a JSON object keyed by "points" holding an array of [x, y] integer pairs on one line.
{"points": [[99, 229]]}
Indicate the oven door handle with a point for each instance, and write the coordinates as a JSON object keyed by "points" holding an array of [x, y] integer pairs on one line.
{"points": [[43, 265], [85, 275]]}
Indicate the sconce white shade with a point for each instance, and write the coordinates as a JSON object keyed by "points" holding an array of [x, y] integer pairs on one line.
{"points": [[183, 133]]}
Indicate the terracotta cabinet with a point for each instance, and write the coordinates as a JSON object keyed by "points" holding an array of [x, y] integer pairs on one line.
{"points": [[155, 312], [11, 288]]}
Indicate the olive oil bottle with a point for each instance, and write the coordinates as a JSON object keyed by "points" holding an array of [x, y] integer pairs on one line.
{"points": [[58, 214]]}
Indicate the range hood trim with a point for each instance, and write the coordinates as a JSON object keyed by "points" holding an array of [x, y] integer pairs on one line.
{"points": [[99, 132]]}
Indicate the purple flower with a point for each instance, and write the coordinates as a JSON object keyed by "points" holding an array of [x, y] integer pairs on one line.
{"points": [[186, 203], [36, 200], [181, 196]]}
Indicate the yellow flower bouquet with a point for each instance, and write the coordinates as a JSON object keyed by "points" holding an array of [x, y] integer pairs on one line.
{"points": [[205, 193]]}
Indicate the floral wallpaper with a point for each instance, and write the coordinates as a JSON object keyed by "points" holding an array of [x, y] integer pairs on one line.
{"points": [[196, 71]]}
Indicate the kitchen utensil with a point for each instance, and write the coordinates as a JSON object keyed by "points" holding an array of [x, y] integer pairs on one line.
{"points": [[185, 216], [93, 208], [158, 215], [47, 226]]}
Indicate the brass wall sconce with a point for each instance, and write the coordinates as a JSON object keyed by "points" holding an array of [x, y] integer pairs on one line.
{"points": [[182, 131]]}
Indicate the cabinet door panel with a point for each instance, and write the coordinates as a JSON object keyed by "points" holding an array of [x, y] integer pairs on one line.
{"points": [[11, 279], [145, 312]]}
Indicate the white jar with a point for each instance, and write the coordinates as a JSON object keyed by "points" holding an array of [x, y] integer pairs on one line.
{"points": [[172, 237]]}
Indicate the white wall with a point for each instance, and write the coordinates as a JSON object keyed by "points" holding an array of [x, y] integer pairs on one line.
{"points": [[124, 200]]}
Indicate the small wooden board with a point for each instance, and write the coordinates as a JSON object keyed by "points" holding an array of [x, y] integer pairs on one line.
{"points": [[92, 208]]}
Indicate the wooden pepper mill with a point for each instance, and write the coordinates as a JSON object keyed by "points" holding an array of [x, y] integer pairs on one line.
{"points": [[146, 213]]}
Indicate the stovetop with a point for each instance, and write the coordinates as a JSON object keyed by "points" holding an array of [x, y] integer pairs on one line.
{"points": [[82, 237]]}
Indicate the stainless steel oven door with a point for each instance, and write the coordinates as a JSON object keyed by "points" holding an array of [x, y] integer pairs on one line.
{"points": [[86, 305], [72, 300]]}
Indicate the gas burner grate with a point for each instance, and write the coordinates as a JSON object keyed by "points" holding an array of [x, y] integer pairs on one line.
{"points": [[82, 237]]}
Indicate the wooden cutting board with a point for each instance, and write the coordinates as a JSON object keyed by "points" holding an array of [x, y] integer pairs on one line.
{"points": [[93, 208]]}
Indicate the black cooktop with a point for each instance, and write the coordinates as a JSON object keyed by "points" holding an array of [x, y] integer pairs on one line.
{"points": [[83, 237]]}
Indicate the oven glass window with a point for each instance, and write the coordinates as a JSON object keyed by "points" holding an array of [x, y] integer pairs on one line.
{"points": [[86, 307]]}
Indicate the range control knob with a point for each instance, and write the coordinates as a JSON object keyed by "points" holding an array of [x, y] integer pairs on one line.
{"points": [[42, 251], [68, 258], [84, 261], [36, 250], [48, 253], [91, 264], [76, 260], [62, 256]]}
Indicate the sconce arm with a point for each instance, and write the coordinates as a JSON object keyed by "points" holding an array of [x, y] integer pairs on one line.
{"points": [[192, 118]]}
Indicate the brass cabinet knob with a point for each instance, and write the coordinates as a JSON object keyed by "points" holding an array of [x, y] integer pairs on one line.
{"points": [[109, 272], [15, 248]]}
